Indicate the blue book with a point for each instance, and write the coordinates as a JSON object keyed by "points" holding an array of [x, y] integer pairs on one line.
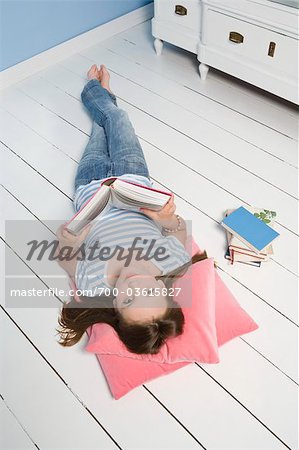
{"points": [[252, 231]]}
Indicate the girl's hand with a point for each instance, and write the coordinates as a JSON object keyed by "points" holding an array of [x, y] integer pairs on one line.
{"points": [[67, 239], [165, 216]]}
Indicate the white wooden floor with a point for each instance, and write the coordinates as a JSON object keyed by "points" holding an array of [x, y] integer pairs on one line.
{"points": [[216, 144]]}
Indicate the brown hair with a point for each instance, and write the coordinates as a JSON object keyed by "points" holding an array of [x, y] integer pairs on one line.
{"points": [[141, 338]]}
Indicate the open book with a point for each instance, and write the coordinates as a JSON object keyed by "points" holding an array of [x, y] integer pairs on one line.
{"points": [[121, 194]]}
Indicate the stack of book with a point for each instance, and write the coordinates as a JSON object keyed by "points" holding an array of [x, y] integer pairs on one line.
{"points": [[249, 235]]}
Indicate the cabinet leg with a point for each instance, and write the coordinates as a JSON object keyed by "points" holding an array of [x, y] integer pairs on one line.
{"points": [[203, 70], [158, 44]]}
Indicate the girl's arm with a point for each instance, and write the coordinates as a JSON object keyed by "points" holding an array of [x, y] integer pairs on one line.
{"points": [[168, 220], [68, 265], [175, 226], [68, 246]]}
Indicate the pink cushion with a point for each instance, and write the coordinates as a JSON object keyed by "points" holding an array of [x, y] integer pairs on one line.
{"points": [[124, 374], [124, 371], [198, 343], [231, 320]]}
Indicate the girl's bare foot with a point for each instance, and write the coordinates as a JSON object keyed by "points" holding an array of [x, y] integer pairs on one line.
{"points": [[102, 75], [93, 73], [104, 78]]}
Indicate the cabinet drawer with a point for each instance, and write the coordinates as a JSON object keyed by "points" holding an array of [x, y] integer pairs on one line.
{"points": [[250, 42], [184, 13]]}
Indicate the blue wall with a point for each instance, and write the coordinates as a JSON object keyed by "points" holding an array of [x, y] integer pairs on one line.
{"points": [[30, 27]]}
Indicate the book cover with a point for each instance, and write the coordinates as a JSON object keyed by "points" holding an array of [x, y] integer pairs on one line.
{"points": [[249, 229], [236, 244], [267, 216]]}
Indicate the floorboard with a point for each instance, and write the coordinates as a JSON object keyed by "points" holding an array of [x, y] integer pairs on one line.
{"points": [[57, 101], [264, 108], [216, 145], [186, 405], [46, 401], [13, 436]]}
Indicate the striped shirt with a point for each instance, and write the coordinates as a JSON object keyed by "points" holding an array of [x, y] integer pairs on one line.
{"points": [[120, 227]]}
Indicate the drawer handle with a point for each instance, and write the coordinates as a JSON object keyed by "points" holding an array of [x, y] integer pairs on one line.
{"points": [[180, 10], [271, 49], [235, 37]]}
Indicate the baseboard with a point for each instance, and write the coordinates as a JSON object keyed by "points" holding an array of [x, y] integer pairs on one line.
{"points": [[55, 54]]}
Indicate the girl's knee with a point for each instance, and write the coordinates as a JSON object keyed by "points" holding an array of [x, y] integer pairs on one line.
{"points": [[118, 115]]}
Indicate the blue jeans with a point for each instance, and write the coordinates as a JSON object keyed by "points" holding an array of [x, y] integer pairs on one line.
{"points": [[113, 148]]}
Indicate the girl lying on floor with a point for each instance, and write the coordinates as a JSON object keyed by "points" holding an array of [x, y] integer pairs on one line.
{"points": [[141, 313]]}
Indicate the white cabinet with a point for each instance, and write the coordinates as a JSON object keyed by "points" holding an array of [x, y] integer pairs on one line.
{"points": [[177, 22], [254, 40]]}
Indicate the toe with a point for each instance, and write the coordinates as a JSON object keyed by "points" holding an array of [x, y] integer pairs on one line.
{"points": [[93, 72], [92, 68]]}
